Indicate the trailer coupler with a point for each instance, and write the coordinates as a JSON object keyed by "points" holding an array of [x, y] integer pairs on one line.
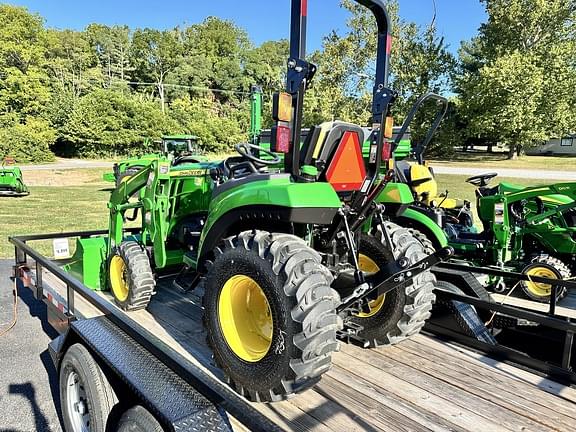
{"points": [[398, 279]]}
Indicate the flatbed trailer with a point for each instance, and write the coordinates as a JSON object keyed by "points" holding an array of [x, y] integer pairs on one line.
{"points": [[160, 358]]}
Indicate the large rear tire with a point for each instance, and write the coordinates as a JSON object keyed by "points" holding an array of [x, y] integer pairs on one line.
{"points": [[130, 276], [86, 396], [270, 314], [401, 313]]}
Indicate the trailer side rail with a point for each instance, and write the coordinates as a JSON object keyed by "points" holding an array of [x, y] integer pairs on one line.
{"points": [[210, 387]]}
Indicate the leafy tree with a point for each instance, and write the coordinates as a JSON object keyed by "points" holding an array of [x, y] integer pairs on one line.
{"points": [[26, 141], [72, 62], [112, 47], [419, 62], [517, 76], [154, 55], [109, 123]]}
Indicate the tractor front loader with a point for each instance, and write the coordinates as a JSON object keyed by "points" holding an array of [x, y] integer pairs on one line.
{"points": [[288, 263]]}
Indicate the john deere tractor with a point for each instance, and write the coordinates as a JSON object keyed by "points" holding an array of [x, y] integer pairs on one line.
{"points": [[177, 147], [288, 262], [11, 182], [530, 230]]}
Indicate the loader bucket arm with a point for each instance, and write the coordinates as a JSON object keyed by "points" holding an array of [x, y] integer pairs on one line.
{"points": [[154, 204]]}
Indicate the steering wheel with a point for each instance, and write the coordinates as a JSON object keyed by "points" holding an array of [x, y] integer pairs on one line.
{"points": [[243, 150], [481, 180]]}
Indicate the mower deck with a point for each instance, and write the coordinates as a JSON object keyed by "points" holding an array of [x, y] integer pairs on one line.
{"points": [[13, 193], [420, 384]]}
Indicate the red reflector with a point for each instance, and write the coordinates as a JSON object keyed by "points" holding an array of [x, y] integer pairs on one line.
{"points": [[386, 150], [389, 44], [282, 139], [304, 8], [347, 171]]}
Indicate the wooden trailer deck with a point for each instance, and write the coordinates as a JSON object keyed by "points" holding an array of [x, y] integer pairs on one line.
{"points": [[422, 384]]}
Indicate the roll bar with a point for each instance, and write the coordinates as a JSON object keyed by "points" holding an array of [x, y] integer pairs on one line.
{"points": [[440, 113], [300, 73]]}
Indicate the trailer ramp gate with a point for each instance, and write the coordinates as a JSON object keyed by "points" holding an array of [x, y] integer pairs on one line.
{"points": [[558, 365]]}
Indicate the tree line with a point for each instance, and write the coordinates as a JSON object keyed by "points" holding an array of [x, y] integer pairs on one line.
{"points": [[102, 91]]}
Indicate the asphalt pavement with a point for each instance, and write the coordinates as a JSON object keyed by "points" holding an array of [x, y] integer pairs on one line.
{"points": [[28, 379]]}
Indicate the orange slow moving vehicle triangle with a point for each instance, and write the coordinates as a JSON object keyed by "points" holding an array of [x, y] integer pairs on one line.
{"points": [[347, 171]]}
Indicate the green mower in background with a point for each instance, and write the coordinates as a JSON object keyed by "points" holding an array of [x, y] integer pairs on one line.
{"points": [[290, 255], [530, 230], [177, 147], [11, 181]]}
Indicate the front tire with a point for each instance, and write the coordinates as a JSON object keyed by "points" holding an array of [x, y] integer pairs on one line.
{"points": [[545, 266], [270, 314], [403, 312], [86, 396], [130, 276]]}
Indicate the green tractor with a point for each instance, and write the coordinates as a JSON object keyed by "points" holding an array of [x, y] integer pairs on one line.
{"points": [[11, 182], [288, 263], [180, 148], [529, 230]]}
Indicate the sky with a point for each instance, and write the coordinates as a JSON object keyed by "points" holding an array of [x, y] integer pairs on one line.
{"points": [[457, 20]]}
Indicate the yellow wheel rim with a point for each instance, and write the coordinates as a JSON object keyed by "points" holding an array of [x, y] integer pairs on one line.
{"points": [[118, 278], [537, 288], [245, 318], [368, 265]]}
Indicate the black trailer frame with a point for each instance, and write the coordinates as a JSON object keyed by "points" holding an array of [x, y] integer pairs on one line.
{"points": [[561, 370], [198, 401]]}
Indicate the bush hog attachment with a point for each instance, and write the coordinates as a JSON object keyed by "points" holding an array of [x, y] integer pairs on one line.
{"points": [[11, 183], [286, 262]]}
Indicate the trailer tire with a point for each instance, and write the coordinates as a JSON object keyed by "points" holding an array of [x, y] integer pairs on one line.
{"points": [[270, 314], [138, 419], [130, 276], [83, 386], [403, 312], [546, 266]]}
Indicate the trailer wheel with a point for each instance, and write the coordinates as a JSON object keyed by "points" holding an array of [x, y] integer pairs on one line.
{"points": [[86, 396], [138, 419], [401, 313], [548, 267], [130, 276], [270, 314]]}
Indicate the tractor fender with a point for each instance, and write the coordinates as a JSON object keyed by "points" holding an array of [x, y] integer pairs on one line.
{"points": [[271, 218], [417, 220], [266, 202]]}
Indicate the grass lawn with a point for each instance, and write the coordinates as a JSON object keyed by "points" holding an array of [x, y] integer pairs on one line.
{"points": [[458, 188], [75, 200], [499, 160]]}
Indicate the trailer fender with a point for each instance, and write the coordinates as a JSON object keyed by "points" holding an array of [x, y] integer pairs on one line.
{"points": [[175, 403]]}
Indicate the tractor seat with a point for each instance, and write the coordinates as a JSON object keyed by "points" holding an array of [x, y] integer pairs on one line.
{"points": [[335, 149], [424, 186]]}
